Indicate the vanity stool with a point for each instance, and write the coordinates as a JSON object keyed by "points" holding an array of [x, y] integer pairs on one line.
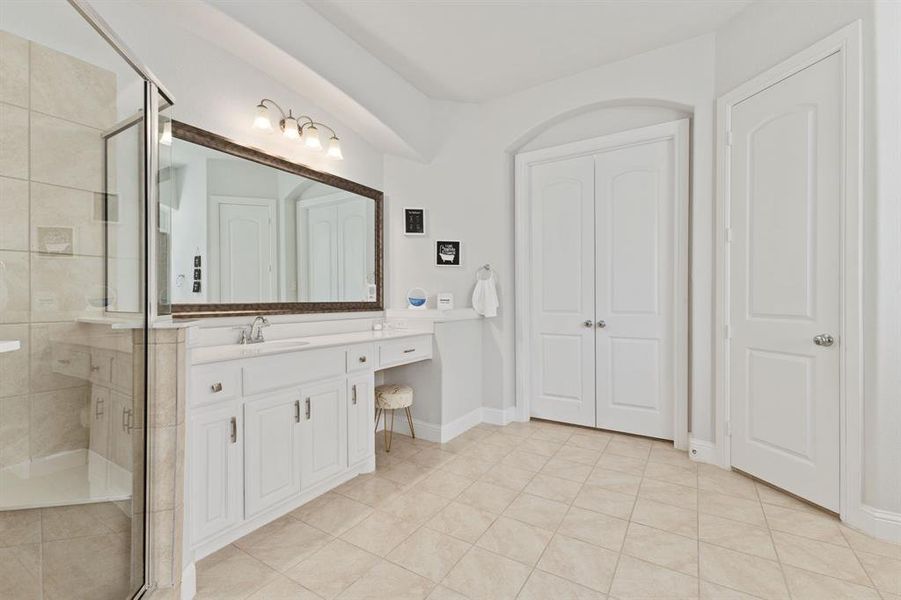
{"points": [[391, 397]]}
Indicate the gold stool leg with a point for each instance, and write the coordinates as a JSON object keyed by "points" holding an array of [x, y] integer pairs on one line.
{"points": [[378, 415], [389, 434], [410, 421]]}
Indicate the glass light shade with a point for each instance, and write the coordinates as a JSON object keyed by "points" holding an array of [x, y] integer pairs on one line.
{"points": [[334, 149], [166, 134], [311, 138], [262, 120], [289, 129]]}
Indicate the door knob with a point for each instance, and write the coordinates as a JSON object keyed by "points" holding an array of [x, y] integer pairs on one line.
{"points": [[588, 323], [602, 324], [824, 339]]}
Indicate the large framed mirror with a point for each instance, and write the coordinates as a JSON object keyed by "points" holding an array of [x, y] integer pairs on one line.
{"points": [[249, 233]]}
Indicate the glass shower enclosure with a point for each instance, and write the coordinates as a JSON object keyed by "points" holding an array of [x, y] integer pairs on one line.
{"points": [[80, 147]]}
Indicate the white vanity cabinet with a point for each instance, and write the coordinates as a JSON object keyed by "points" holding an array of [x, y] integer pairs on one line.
{"points": [[323, 431], [360, 409]]}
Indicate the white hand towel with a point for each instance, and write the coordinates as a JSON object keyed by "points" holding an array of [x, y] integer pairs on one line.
{"points": [[484, 297]]}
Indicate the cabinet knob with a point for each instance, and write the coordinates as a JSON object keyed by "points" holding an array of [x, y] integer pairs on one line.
{"points": [[216, 387], [362, 359]]}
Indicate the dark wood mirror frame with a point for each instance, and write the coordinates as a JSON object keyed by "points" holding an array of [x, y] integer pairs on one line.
{"points": [[189, 133]]}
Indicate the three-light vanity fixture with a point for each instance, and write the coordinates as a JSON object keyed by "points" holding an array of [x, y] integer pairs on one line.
{"points": [[302, 128]]}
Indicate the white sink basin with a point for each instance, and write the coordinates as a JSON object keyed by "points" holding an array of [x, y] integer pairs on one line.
{"points": [[9, 345], [280, 344]]}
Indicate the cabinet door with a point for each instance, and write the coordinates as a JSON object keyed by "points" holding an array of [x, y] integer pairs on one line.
{"points": [[121, 422], [324, 435], [360, 422], [216, 439], [271, 450]]}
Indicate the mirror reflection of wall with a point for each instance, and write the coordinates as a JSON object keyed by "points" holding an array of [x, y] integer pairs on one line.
{"points": [[243, 232]]}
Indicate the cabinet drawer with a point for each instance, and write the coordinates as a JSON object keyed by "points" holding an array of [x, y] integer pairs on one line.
{"points": [[360, 358], [214, 383], [286, 370], [404, 351]]}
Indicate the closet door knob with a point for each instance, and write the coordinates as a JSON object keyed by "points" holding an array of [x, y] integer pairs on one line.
{"points": [[602, 324], [588, 323]]}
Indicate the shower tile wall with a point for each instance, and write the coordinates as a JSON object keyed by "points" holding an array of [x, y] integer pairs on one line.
{"points": [[53, 108]]}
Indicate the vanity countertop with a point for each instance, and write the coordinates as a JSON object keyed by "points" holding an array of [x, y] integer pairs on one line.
{"points": [[213, 354], [9, 345]]}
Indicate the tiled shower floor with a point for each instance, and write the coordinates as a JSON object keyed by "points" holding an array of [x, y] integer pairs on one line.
{"points": [[546, 511]]}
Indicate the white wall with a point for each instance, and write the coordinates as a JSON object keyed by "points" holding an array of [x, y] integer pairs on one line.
{"points": [[468, 190]]}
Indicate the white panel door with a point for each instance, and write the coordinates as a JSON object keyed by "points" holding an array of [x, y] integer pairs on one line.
{"points": [[247, 253], [324, 431], [562, 200], [636, 266], [784, 264], [353, 250], [271, 450], [360, 422], [321, 255], [215, 500]]}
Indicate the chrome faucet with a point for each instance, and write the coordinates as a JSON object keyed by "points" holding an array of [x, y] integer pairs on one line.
{"points": [[255, 335]]}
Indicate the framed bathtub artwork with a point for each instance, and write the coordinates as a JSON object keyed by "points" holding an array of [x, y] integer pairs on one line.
{"points": [[447, 253]]}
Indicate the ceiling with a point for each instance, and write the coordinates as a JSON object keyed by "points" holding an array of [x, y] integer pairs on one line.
{"points": [[477, 50]]}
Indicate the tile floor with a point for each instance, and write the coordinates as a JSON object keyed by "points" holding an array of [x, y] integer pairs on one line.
{"points": [[546, 511]]}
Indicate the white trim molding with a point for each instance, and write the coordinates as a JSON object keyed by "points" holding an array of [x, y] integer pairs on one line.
{"points": [[677, 131], [847, 43]]}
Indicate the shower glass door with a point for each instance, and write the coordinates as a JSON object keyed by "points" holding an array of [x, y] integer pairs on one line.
{"points": [[74, 191]]}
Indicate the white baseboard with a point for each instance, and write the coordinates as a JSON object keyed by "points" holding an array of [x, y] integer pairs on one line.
{"points": [[876, 522], [703, 451], [189, 582], [436, 433], [499, 416]]}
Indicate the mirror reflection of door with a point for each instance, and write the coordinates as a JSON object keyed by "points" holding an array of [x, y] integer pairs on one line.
{"points": [[248, 260]]}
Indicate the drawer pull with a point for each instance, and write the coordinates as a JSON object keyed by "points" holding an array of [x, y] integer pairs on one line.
{"points": [[409, 350], [362, 359], [308, 409], [98, 408], [234, 430], [216, 387], [353, 394], [95, 368], [63, 361], [297, 411]]}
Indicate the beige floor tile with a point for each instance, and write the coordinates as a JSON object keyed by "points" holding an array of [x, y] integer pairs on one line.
{"points": [[508, 477], [429, 553], [508, 442], [605, 501], [283, 588], [543, 586], [333, 569], [625, 464], [386, 580], [231, 573], [565, 469], [553, 488], [885, 572], [617, 481], [596, 528], [514, 539], [742, 572], [736, 536], [483, 575], [590, 440], [819, 557], [484, 452], [445, 484], [642, 580], [662, 548], [770, 495], [20, 572], [521, 459], [671, 474], [671, 456], [462, 521], [805, 585], [580, 562], [19, 527], [719, 480], [666, 517], [582, 456], [332, 513], [405, 472], [817, 526], [372, 490], [467, 466], [542, 447], [432, 457], [487, 496], [445, 593], [861, 542], [712, 591], [414, 506], [283, 543], [669, 493], [631, 449], [731, 507], [379, 533], [554, 434], [536, 511]]}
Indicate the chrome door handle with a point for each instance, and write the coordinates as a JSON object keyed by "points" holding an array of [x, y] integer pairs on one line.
{"points": [[602, 324], [297, 411], [308, 409], [588, 323], [824, 339], [234, 430], [353, 394]]}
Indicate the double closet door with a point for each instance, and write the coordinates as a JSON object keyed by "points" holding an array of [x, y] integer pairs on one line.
{"points": [[603, 285]]}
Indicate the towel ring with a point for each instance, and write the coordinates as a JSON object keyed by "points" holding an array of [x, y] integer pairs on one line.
{"points": [[486, 268]]}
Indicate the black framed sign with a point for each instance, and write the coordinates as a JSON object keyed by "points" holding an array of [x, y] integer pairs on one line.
{"points": [[447, 253], [414, 221]]}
